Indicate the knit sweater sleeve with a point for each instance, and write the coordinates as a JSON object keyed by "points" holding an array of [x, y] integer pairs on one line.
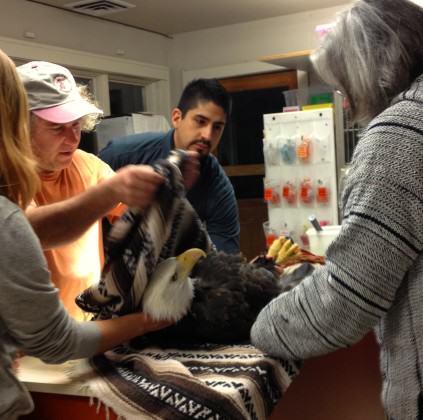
{"points": [[30, 310], [380, 239]]}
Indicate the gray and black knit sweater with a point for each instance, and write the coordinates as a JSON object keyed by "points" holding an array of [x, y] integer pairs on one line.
{"points": [[373, 278]]}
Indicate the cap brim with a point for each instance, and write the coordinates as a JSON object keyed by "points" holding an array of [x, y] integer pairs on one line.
{"points": [[70, 111]]}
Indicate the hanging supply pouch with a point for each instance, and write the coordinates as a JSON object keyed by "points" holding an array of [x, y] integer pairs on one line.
{"points": [[322, 192], [287, 151], [271, 152], [306, 191], [271, 192], [289, 193], [304, 148]]}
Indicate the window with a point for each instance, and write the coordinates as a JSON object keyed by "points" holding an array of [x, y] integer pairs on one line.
{"points": [[125, 98], [85, 81], [241, 147]]}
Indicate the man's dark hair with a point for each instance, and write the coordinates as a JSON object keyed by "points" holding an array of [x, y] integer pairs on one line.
{"points": [[204, 90]]}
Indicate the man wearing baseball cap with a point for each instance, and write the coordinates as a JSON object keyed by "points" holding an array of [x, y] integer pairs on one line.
{"points": [[77, 189]]}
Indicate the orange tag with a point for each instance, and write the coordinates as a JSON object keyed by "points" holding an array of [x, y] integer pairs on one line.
{"points": [[305, 192], [322, 195], [288, 193], [286, 190], [270, 238], [268, 194], [303, 150]]}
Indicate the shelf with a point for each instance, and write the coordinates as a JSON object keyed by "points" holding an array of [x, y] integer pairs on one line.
{"points": [[298, 60], [244, 170]]}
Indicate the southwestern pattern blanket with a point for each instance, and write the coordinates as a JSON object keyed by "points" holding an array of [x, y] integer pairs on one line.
{"points": [[206, 382]]}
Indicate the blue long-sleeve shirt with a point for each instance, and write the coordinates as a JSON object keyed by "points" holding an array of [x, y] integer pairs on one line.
{"points": [[212, 196]]}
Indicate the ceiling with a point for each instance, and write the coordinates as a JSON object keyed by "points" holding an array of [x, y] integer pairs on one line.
{"points": [[170, 17]]}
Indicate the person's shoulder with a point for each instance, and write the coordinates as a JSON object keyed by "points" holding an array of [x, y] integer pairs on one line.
{"points": [[212, 168], [408, 105], [8, 209], [414, 93], [403, 114], [88, 164], [392, 139], [214, 176], [14, 226], [89, 160], [137, 148], [137, 140]]}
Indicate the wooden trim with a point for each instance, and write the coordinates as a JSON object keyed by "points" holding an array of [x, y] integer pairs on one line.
{"points": [[245, 68], [299, 60], [286, 78], [283, 56], [244, 170]]}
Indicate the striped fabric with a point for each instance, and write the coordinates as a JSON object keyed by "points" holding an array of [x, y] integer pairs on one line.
{"points": [[373, 277], [207, 382], [139, 241]]}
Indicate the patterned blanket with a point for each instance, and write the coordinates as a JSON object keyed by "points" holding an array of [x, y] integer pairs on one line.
{"points": [[138, 241], [206, 382]]}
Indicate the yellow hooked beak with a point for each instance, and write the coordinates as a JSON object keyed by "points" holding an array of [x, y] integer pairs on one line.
{"points": [[187, 260]]}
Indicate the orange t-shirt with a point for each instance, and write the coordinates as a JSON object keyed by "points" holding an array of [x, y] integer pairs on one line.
{"points": [[77, 265]]}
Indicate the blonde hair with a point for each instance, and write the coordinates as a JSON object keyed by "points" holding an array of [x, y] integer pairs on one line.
{"points": [[18, 174], [88, 122]]}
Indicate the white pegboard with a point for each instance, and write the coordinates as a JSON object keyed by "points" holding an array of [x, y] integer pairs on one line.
{"points": [[285, 132]]}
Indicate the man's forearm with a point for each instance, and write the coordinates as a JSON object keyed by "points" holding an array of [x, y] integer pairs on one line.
{"points": [[63, 222]]}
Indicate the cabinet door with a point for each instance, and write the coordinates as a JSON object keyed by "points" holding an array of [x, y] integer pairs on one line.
{"points": [[252, 214]]}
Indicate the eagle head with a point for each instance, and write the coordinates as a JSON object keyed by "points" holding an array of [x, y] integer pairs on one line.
{"points": [[170, 290]]}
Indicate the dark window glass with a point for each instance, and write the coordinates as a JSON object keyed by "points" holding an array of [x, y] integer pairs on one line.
{"points": [[125, 99], [250, 186], [242, 140]]}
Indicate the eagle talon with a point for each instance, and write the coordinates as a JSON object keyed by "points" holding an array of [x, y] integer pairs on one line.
{"points": [[282, 249]]}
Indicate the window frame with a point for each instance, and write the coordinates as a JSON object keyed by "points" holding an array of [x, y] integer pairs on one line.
{"points": [[100, 68]]}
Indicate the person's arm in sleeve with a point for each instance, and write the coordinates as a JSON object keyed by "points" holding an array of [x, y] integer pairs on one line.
{"points": [[222, 219], [31, 310], [381, 237], [62, 222]]}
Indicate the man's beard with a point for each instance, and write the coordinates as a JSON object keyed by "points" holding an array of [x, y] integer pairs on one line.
{"points": [[202, 152]]}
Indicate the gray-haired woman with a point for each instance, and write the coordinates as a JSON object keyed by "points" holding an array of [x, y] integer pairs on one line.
{"points": [[373, 278]]}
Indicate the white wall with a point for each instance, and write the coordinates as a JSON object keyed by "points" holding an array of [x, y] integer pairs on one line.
{"points": [[235, 50], [68, 30], [218, 52], [83, 42]]}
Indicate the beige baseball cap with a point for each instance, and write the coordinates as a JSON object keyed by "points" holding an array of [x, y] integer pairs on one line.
{"points": [[53, 94]]}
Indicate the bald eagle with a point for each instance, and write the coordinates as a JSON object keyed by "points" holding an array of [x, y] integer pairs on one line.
{"points": [[216, 302]]}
